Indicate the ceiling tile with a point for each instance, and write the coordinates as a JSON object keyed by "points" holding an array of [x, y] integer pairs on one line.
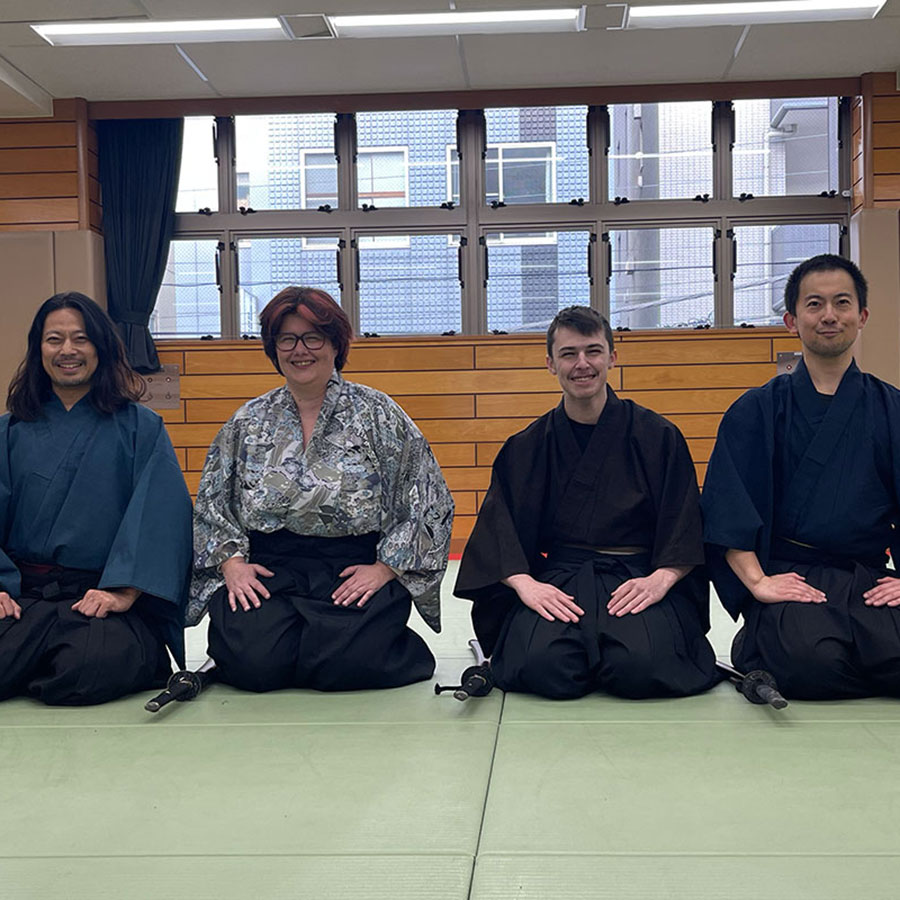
{"points": [[331, 66], [66, 10], [109, 73]]}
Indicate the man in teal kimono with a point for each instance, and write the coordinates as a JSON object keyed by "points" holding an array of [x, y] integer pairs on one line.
{"points": [[95, 518]]}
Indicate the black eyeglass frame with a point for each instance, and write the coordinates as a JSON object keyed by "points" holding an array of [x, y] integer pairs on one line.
{"points": [[312, 340]]}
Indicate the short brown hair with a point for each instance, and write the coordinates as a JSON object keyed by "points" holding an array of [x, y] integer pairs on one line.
{"points": [[319, 307], [582, 319]]}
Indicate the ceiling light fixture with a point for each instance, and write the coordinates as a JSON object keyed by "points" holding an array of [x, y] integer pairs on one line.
{"points": [[506, 21], [754, 12], [144, 31]]}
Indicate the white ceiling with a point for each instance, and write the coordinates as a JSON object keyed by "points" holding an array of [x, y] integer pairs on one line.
{"points": [[32, 72]]}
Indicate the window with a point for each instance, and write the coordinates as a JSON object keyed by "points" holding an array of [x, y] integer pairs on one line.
{"points": [[786, 147], [659, 151], [765, 255], [661, 277], [373, 205], [198, 175], [411, 287], [270, 150], [266, 265], [188, 303], [527, 285]]}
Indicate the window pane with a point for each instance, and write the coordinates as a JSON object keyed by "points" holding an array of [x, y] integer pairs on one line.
{"points": [[766, 256], [266, 265], [198, 178], [786, 146], [660, 151], [402, 156], [529, 281], [187, 304], [661, 277], [274, 165], [536, 154], [409, 284]]}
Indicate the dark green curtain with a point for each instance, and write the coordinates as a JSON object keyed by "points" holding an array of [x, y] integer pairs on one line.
{"points": [[139, 162]]}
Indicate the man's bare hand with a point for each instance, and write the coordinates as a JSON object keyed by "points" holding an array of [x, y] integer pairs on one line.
{"points": [[99, 604], [885, 593], [789, 587], [362, 581], [244, 586], [9, 607], [636, 594], [546, 600]]}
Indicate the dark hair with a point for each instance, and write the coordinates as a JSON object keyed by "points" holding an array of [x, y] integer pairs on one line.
{"points": [[824, 262], [582, 319], [319, 307], [113, 384]]}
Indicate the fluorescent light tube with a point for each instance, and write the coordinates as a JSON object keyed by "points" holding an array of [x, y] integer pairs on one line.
{"points": [[506, 21], [754, 12], [145, 31]]}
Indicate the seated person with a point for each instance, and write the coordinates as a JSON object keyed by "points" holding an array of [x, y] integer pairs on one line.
{"points": [[581, 562], [321, 514], [95, 519], [801, 501]]}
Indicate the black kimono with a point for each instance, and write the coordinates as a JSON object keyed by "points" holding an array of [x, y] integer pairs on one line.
{"points": [[89, 500], [550, 505], [810, 483]]}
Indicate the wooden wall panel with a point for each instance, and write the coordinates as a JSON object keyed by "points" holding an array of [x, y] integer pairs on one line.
{"points": [[45, 181], [489, 388], [876, 174]]}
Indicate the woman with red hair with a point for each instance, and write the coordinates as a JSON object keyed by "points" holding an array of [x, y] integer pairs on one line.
{"points": [[321, 515]]}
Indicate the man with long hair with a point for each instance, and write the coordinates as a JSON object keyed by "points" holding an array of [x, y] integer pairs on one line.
{"points": [[95, 519]]}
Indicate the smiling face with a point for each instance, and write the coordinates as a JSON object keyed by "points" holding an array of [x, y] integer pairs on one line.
{"points": [[581, 364], [828, 318], [306, 371], [67, 354]]}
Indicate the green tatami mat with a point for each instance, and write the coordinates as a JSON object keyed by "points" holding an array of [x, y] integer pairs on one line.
{"points": [[223, 705], [686, 878], [238, 878], [208, 790], [694, 787], [722, 704]]}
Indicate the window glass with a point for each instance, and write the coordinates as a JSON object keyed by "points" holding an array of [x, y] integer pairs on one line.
{"points": [[273, 161], [661, 277], [198, 176], [536, 154], [401, 156], [528, 283], [409, 284], [268, 264], [188, 302], [766, 256], [787, 146], [660, 151]]}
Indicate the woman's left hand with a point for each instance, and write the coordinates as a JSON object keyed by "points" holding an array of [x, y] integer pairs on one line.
{"points": [[362, 581]]}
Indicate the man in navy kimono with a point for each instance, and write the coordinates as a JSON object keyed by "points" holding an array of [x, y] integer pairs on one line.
{"points": [[95, 519], [801, 504], [582, 561]]}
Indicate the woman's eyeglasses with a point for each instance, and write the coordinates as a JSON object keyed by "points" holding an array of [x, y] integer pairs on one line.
{"points": [[312, 340]]}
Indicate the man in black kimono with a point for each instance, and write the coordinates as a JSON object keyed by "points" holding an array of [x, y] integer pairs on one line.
{"points": [[581, 563], [95, 519], [801, 503]]}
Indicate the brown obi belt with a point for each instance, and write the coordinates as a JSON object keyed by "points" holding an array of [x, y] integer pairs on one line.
{"points": [[53, 582]]}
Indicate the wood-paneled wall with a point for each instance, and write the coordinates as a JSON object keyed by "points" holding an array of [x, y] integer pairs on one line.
{"points": [[48, 171], [876, 172], [468, 394]]}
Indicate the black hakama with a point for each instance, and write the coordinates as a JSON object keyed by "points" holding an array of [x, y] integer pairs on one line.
{"points": [[62, 657], [550, 501], [810, 483], [299, 638]]}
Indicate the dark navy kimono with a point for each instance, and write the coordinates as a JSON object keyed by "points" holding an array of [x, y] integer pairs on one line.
{"points": [[810, 483], [550, 505], [98, 501]]}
